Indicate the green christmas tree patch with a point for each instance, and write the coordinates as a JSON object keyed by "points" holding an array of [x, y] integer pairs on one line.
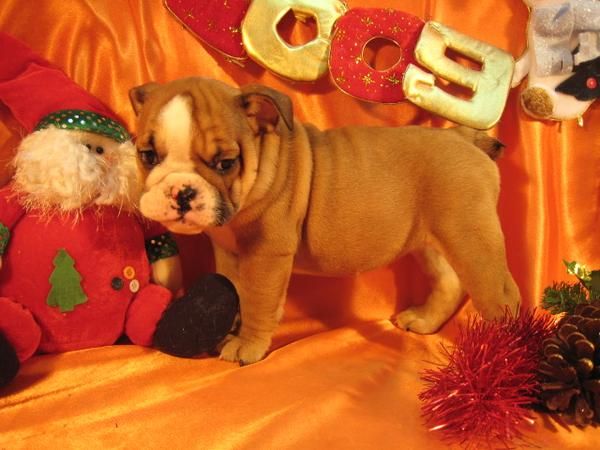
{"points": [[66, 291]]}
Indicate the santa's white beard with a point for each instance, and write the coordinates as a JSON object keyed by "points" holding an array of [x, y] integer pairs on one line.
{"points": [[56, 172]]}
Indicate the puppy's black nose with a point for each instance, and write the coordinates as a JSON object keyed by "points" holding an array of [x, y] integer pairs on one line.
{"points": [[184, 197]]}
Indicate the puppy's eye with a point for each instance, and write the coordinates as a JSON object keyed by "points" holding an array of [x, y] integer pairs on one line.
{"points": [[149, 158], [225, 165]]}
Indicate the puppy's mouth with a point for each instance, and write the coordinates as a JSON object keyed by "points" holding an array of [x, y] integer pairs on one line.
{"points": [[182, 226]]}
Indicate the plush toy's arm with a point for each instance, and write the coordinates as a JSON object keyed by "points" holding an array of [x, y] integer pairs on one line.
{"points": [[522, 67], [10, 213], [163, 255]]}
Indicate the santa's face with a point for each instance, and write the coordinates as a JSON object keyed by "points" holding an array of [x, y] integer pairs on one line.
{"points": [[68, 170]]}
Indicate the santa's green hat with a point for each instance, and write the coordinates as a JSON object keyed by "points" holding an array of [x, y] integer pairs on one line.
{"points": [[80, 119]]}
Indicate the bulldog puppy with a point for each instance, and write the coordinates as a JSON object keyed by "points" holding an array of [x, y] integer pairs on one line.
{"points": [[275, 195]]}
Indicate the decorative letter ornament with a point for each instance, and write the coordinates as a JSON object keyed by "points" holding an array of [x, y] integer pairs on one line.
{"points": [[215, 22], [490, 85], [306, 62], [352, 33], [343, 35]]}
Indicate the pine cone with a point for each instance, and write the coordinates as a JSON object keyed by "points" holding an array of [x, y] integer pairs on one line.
{"points": [[570, 366]]}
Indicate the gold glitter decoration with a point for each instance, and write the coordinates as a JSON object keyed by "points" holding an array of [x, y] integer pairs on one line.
{"points": [[367, 21], [235, 30], [367, 79], [340, 80], [340, 34], [392, 79]]}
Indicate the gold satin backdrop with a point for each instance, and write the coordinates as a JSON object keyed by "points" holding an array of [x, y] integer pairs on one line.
{"points": [[340, 375]]}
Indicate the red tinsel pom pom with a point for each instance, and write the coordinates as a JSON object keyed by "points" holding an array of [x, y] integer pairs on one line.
{"points": [[478, 399]]}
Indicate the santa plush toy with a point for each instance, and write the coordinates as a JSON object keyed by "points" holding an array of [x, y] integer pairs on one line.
{"points": [[76, 259]]}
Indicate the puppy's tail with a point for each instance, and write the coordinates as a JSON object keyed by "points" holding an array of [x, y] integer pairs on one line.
{"points": [[490, 145]]}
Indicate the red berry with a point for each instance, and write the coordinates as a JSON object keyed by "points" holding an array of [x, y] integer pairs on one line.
{"points": [[591, 83]]}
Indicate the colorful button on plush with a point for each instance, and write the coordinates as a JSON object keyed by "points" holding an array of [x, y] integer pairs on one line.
{"points": [[116, 283], [134, 286], [129, 272]]}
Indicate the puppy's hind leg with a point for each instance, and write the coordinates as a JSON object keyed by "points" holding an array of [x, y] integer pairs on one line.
{"points": [[476, 251], [443, 301]]}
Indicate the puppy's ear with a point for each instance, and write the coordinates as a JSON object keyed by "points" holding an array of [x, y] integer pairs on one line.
{"points": [[139, 95], [265, 106]]}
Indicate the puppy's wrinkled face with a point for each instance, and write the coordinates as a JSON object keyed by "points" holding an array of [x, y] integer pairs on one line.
{"points": [[198, 142], [188, 143]]}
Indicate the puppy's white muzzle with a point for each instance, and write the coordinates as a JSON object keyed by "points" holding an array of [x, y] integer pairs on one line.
{"points": [[184, 203]]}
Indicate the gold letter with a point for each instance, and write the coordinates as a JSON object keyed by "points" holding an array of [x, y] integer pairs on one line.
{"points": [[490, 85], [264, 44]]}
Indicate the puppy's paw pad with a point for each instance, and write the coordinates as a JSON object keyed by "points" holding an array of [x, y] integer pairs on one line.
{"points": [[244, 351], [413, 319]]}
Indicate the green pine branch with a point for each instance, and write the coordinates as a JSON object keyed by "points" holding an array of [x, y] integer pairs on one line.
{"points": [[564, 297]]}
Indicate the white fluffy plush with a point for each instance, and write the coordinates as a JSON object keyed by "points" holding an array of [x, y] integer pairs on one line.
{"points": [[56, 172]]}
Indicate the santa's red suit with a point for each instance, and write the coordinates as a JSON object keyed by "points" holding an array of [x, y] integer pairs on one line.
{"points": [[108, 250]]}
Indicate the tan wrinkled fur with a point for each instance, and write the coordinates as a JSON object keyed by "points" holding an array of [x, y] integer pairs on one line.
{"points": [[338, 201]]}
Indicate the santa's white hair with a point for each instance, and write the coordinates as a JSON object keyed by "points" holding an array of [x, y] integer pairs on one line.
{"points": [[62, 171]]}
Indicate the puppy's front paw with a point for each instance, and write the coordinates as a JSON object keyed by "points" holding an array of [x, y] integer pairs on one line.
{"points": [[416, 319], [244, 350]]}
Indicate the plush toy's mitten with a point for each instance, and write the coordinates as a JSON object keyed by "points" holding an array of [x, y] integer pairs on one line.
{"points": [[144, 313], [197, 322], [9, 363]]}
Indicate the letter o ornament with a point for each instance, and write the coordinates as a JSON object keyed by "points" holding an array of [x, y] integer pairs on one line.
{"points": [[349, 70], [263, 43]]}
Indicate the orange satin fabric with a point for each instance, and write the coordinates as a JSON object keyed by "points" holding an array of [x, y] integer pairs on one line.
{"points": [[340, 376]]}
